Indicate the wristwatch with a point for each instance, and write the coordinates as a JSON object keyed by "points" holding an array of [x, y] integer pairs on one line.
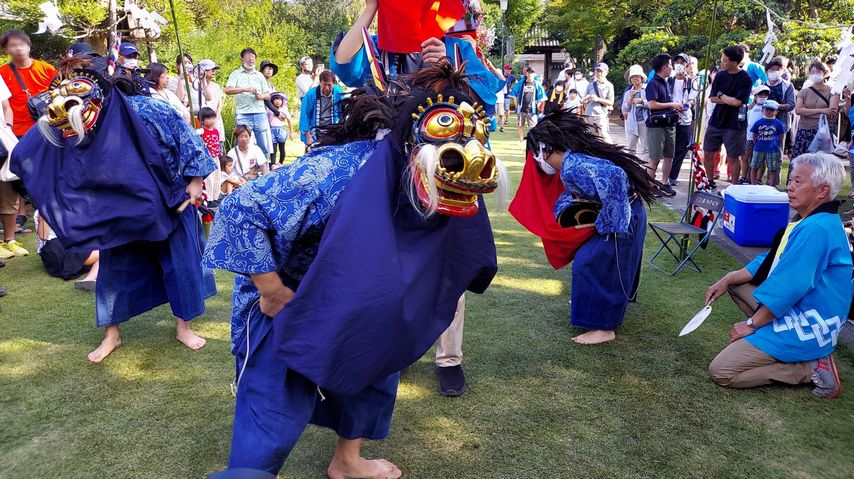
{"points": [[749, 322]]}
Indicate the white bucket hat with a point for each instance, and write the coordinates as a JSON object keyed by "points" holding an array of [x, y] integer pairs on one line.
{"points": [[635, 70]]}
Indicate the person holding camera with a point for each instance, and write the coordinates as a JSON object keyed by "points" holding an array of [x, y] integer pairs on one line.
{"points": [[661, 122]]}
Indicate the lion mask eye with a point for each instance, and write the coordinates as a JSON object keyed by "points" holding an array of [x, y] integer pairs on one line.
{"points": [[442, 124]]}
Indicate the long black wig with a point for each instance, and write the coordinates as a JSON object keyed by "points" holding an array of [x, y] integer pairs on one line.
{"points": [[566, 131]]}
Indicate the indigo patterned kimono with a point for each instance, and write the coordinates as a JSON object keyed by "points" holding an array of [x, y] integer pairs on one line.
{"points": [[606, 268], [275, 223], [139, 276]]}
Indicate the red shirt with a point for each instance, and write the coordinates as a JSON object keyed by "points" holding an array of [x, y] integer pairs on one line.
{"points": [[37, 78], [211, 140]]}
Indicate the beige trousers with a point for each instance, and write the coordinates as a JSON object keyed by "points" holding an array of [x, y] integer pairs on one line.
{"points": [[449, 347], [742, 365]]}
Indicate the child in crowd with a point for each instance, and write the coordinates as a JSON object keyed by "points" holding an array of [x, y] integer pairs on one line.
{"points": [[277, 126], [754, 113], [768, 133], [209, 133], [249, 160], [230, 181], [572, 101]]}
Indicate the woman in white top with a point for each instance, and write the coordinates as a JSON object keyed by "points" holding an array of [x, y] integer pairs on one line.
{"points": [[213, 94], [249, 160], [158, 78]]}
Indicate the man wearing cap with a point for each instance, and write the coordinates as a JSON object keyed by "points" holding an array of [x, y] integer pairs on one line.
{"points": [[128, 55], [250, 90], [599, 101], [684, 93], [306, 79]]}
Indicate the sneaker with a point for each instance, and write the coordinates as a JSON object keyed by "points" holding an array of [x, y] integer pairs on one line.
{"points": [[716, 176], [666, 190], [826, 378], [5, 253], [673, 182], [713, 186], [452, 381], [743, 181], [15, 247], [656, 193], [501, 129]]}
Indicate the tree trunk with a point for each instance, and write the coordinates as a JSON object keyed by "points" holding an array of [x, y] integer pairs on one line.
{"points": [[813, 10], [601, 48]]}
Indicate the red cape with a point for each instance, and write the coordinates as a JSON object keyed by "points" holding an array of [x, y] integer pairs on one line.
{"points": [[402, 25], [533, 208]]}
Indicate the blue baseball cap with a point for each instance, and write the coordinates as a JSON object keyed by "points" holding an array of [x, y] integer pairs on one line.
{"points": [[128, 48]]}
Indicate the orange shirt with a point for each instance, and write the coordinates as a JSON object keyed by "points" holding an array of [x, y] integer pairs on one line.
{"points": [[37, 78]]}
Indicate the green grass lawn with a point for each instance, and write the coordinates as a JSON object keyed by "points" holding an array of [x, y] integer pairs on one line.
{"points": [[537, 405]]}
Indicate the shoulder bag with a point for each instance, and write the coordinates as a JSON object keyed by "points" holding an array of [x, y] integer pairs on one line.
{"points": [[36, 104]]}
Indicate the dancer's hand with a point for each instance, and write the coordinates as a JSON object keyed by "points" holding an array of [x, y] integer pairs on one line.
{"points": [[274, 294], [432, 50], [194, 189], [274, 301]]}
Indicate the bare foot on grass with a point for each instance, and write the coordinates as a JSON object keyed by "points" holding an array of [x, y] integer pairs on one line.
{"points": [[596, 336], [363, 469], [187, 337], [108, 345]]}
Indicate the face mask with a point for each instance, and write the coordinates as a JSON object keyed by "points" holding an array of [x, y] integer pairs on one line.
{"points": [[579, 77], [249, 66], [760, 100], [816, 77], [559, 88], [540, 158], [678, 68], [131, 63], [773, 76]]}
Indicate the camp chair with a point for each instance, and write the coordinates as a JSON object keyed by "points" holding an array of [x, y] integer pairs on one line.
{"points": [[678, 233]]}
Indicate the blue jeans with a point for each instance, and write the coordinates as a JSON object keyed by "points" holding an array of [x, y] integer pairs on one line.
{"points": [[260, 127]]}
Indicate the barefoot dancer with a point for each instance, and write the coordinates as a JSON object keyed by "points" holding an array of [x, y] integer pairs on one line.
{"points": [[567, 166], [118, 193], [330, 303]]}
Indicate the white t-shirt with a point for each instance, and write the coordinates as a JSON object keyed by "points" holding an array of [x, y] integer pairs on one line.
{"points": [[753, 115], [5, 94], [681, 94], [171, 99], [194, 90], [304, 83], [244, 162]]}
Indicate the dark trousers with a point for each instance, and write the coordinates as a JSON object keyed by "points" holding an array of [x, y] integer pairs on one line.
{"points": [[683, 138]]}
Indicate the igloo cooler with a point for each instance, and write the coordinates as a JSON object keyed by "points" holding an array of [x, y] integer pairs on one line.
{"points": [[753, 214]]}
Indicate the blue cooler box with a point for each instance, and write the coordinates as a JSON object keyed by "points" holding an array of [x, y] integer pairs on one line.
{"points": [[753, 214]]}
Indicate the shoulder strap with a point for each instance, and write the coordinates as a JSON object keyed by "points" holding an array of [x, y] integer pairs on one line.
{"points": [[596, 87], [20, 80], [826, 101]]}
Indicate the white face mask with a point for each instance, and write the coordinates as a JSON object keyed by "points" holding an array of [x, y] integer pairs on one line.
{"points": [[816, 77], [249, 66], [579, 77], [773, 76], [678, 68], [760, 100], [559, 88], [131, 63], [539, 157]]}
